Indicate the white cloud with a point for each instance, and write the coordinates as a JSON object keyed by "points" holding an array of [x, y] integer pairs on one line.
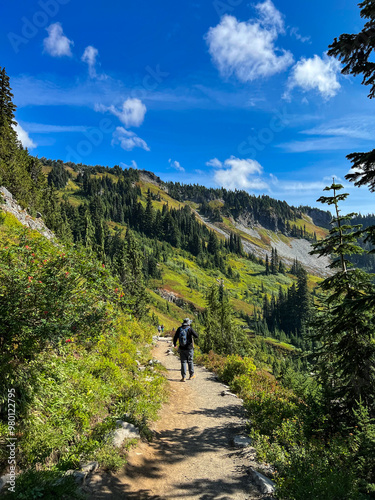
{"points": [[133, 164], [353, 126], [270, 16], [176, 165], [131, 114], [329, 178], [128, 140], [236, 173], [23, 137], [57, 44], [319, 144], [246, 49], [89, 57], [214, 163], [315, 74], [295, 32], [45, 128], [344, 133]]}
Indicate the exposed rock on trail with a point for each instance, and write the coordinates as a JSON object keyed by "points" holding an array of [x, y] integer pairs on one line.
{"points": [[192, 455]]}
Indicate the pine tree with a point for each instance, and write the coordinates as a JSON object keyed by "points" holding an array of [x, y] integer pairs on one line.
{"points": [[149, 217], [8, 137], [221, 333], [267, 266], [132, 276], [303, 302], [345, 326], [213, 244]]}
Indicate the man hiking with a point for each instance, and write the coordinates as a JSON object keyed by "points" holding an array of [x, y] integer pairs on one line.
{"points": [[184, 335]]}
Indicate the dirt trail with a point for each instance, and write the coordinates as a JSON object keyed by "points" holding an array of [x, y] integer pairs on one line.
{"points": [[191, 456]]}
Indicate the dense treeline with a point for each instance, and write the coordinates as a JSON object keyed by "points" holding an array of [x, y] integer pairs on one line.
{"points": [[120, 202], [271, 213], [290, 311], [365, 261]]}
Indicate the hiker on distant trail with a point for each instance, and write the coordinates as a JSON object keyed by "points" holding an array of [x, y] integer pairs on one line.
{"points": [[162, 329], [159, 329], [184, 335]]}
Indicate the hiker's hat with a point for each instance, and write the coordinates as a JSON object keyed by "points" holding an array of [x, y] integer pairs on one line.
{"points": [[187, 321]]}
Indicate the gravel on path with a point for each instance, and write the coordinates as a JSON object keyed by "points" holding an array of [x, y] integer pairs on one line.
{"points": [[192, 454]]}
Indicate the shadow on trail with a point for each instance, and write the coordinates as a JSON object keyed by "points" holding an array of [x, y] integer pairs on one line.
{"points": [[120, 491], [207, 489], [220, 412], [175, 446]]}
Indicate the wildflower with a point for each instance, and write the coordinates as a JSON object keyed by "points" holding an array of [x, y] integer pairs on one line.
{"points": [[33, 254], [68, 340], [27, 247], [103, 265], [39, 282], [30, 278], [116, 289], [45, 312]]}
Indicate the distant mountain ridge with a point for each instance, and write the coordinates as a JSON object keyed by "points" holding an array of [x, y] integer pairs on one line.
{"points": [[262, 223]]}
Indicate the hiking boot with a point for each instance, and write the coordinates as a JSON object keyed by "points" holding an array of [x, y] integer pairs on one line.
{"points": [[183, 379], [192, 376]]}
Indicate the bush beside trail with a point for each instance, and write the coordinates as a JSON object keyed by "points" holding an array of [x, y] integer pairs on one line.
{"points": [[71, 351], [291, 431]]}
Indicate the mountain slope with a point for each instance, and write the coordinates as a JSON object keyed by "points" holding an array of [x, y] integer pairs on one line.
{"points": [[262, 223]]}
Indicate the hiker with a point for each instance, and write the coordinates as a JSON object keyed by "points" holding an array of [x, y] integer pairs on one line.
{"points": [[184, 335], [162, 329], [159, 330]]}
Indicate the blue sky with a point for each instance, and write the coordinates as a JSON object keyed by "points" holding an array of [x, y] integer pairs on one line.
{"points": [[218, 92]]}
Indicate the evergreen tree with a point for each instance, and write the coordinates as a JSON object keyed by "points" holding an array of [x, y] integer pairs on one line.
{"points": [[132, 276], [8, 137], [221, 334], [58, 177], [303, 302], [267, 266], [213, 244], [345, 326], [148, 224]]}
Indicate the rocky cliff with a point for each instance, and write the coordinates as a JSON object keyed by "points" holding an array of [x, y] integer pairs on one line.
{"points": [[9, 204]]}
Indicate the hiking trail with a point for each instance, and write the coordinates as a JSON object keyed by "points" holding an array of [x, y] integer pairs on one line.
{"points": [[192, 454]]}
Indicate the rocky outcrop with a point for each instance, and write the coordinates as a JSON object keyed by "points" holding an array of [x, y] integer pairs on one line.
{"points": [[11, 206], [170, 297], [264, 484], [319, 217], [125, 430]]}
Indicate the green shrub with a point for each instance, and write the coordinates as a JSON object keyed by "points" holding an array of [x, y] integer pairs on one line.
{"points": [[317, 472], [48, 297], [234, 366], [110, 458], [46, 484]]}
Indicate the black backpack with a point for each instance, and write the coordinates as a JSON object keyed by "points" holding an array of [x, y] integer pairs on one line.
{"points": [[183, 336]]}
